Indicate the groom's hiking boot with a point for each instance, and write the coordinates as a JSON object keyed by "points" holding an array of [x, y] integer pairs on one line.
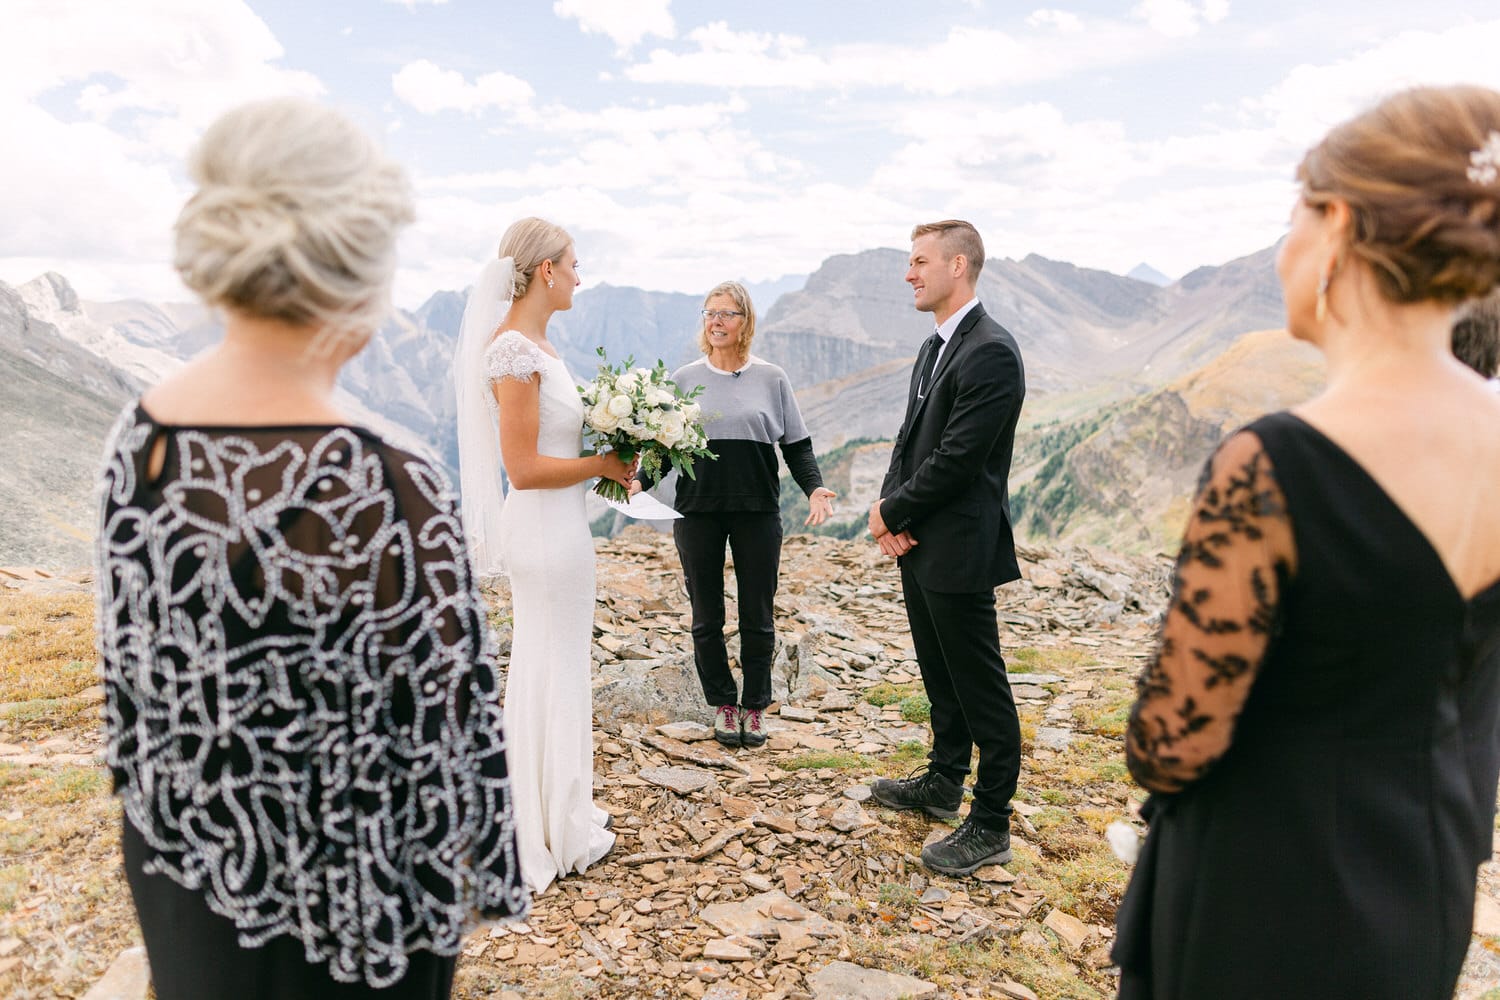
{"points": [[727, 725], [933, 793], [752, 728], [967, 849]]}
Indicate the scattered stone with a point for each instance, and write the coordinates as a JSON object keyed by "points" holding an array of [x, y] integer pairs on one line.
{"points": [[127, 978], [1053, 737], [846, 981], [994, 874], [1072, 931], [682, 780], [726, 950], [1016, 991], [859, 793], [796, 714], [850, 817], [752, 917], [686, 732]]}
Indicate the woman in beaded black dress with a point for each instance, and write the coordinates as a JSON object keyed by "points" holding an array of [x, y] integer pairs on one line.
{"points": [[302, 705], [1319, 726]]}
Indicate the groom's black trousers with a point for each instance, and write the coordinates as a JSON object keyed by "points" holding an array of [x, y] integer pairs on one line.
{"points": [[957, 639], [755, 540]]}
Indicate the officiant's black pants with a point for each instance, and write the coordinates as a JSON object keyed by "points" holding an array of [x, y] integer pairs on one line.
{"points": [[755, 540], [957, 639]]}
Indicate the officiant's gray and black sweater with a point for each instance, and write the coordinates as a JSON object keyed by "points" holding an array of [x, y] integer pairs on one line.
{"points": [[746, 414]]}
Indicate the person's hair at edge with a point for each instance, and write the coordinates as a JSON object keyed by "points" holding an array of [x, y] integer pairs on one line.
{"points": [[295, 219], [528, 242], [1425, 215], [957, 237], [741, 297], [1476, 335]]}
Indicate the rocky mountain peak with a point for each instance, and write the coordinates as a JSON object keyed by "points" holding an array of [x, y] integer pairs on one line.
{"points": [[50, 295]]}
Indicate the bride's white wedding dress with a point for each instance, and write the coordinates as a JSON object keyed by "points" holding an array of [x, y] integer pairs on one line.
{"points": [[549, 557]]}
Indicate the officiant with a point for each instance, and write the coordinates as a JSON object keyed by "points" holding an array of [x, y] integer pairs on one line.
{"points": [[749, 411]]}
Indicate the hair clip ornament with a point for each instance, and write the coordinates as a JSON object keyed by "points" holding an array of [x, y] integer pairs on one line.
{"points": [[1485, 161]]}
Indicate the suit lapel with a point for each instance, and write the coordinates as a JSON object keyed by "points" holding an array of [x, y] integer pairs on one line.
{"points": [[955, 344]]}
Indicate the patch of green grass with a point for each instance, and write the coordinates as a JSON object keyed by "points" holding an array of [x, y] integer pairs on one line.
{"points": [[906, 756], [71, 784], [885, 693], [1056, 797], [811, 760], [897, 896], [54, 710], [13, 882], [1075, 868], [1030, 659], [916, 708], [1107, 719]]}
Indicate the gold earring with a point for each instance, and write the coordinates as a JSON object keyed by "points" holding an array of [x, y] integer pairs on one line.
{"points": [[1320, 311]]}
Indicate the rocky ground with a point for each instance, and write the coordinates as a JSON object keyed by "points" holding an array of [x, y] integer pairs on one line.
{"points": [[737, 874]]}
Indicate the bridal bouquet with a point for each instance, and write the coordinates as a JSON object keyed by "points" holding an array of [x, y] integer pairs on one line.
{"points": [[640, 412]]}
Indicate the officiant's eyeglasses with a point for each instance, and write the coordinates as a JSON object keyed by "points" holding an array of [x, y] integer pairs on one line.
{"points": [[721, 314]]}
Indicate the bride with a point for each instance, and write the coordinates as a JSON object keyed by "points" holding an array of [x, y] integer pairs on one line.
{"points": [[510, 380]]}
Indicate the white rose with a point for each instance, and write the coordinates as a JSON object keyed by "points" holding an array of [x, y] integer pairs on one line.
{"points": [[653, 420], [626, 382], [644, 374], [672, 430], [620, 406], [601, 419], [659, 397], [691, 411]]}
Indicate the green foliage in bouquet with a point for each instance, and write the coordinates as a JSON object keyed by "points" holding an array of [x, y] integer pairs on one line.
{"points": [[641, 413]]}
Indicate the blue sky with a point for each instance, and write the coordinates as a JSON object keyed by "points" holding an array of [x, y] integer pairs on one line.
{"points": [[683, 142]]}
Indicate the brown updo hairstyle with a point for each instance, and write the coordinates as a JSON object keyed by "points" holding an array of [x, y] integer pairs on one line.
{"points": [[1427, 229]]}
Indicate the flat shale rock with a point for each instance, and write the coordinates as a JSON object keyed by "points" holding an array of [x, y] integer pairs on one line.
{"points": [[126, 979], [686, 732], [682, 780], [846, 981], [754, 917]]}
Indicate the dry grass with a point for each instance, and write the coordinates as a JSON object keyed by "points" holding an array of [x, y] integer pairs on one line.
{"points": [[51, 652]]}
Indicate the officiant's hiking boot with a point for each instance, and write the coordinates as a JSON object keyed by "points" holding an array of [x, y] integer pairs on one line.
{"points": [[752, 728], [967, 849], [933, 793], [727, 725]]}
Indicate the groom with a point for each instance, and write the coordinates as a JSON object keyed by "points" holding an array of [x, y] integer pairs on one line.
{"points": [[944, 512]]}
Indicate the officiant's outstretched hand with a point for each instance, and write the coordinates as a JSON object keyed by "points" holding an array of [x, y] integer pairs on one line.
{"points": [[945, 514]]}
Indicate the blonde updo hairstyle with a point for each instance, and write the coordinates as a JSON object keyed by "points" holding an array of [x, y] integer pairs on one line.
{"points": [[528, 242], [741, 298], [1427, 229], [295, 219]]}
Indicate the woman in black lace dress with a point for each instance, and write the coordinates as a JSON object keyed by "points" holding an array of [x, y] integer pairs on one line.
{"points": [[1321, 725], [302, 702]]}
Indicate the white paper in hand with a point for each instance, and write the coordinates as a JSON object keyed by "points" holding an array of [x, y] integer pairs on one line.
{"points": [[644, 507]]}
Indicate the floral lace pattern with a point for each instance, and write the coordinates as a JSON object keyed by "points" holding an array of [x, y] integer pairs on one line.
{"points": [[511, 355], [302, 700], [1237, 554]]}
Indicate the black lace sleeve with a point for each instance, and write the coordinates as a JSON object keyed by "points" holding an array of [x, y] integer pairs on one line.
{"points": [[1237, 554]]}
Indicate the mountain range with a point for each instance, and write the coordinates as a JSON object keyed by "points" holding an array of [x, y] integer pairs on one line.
{"points": [[1105, 355]]}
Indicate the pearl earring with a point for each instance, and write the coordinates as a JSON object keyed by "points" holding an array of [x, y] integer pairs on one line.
{"points": [[549, 282]]}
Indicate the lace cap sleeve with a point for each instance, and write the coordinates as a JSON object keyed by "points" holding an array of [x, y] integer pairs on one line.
{"points": [[512, 356], [1237, 552]]}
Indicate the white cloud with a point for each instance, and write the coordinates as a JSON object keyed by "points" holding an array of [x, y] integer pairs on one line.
{"points": [[967, 58], [430, 89], [99, 102], [1311, 99], [1180, 18], [1062, 20], [626, 22]]}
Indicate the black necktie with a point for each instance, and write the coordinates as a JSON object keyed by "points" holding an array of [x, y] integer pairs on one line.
{"points": [[924, 381]]}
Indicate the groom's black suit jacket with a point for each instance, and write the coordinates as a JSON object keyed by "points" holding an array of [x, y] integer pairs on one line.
{"points": [[947, 479]]}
